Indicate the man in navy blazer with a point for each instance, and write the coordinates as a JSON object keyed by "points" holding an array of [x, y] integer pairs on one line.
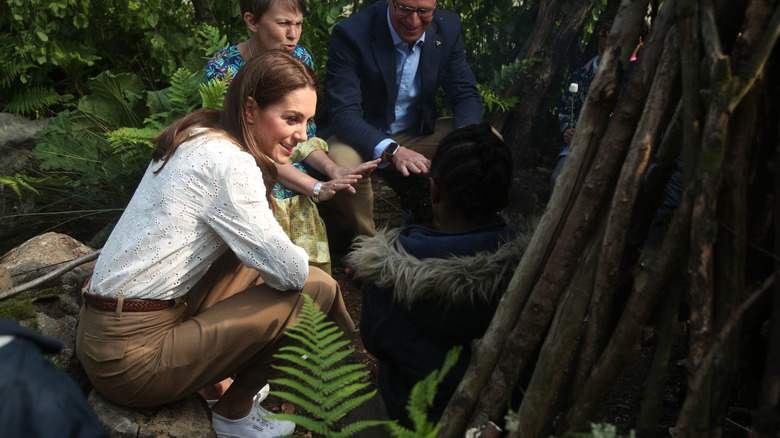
{"points": [[385, 65]]}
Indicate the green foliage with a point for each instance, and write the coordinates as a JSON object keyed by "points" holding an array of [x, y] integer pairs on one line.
{"points": [[421, 399], [317, 27], [183, 100], [76, 143], [58, 45], [322, 386], [212, 93], [19, 182], [33, 99], [493, 31]]}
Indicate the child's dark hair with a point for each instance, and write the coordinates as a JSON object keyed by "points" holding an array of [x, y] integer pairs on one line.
{"points": [[473, 168]]}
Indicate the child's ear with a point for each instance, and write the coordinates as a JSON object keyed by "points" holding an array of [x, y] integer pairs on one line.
{"points": [[435, 191]]}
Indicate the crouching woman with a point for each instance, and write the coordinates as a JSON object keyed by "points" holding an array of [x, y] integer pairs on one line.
{"points": [[198, 281]]}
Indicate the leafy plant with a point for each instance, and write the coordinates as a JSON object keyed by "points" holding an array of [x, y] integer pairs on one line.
{"points": [[328, 390], [421, 399], [30, 100], [322, 386], [18, 182]]}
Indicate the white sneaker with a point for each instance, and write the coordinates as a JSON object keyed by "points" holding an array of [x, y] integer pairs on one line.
{"points": [[259, 397], [251, 426]]}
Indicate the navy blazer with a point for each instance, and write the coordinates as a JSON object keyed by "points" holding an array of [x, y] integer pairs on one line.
{"points": [[360, 78]]}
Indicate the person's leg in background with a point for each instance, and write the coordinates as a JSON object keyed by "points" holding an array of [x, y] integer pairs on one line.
{"points": [[358, 208]]}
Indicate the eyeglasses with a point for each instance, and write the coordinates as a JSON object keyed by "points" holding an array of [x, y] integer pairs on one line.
{"points": [[406, 10]]}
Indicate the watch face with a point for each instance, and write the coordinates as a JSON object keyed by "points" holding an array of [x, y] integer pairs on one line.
{"points": [[392, 149]]}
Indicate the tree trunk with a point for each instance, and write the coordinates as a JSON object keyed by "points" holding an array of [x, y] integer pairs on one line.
{"points": [[519, 127]]}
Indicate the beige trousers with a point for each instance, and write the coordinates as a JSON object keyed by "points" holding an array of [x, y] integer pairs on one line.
{"points": [[358, 209], [229, 325]]}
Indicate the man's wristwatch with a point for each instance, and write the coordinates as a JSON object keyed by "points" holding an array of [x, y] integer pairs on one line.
{"points": [[390, 151]]}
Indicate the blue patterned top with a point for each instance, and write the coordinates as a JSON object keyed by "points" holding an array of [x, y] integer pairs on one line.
{"points": [[226, 62]]}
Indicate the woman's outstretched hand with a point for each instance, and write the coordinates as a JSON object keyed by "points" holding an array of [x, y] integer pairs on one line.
{"points": [[342, 178]]}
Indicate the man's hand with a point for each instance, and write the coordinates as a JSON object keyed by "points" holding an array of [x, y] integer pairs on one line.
{"points": [[407, 160], [568, 135]]}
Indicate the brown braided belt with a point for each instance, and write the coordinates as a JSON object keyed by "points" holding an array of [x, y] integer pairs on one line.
{"points": [[129, 305]]}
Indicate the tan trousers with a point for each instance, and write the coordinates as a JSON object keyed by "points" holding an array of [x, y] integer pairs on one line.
{"points": [[230, 324], [358, 209]]}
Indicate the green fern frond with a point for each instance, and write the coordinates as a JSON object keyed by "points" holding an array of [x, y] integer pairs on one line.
{"points": [[34, 99], [18, 182], [491, 98], [119, 138], [421, 399], [8, 72], [213, 40], [181, 94], [318, 384], [212, 93]]}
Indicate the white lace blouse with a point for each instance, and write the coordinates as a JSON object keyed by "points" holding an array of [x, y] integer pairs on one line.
{"points": [[210, 196]]}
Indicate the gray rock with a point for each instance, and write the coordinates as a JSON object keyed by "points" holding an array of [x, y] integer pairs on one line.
{"points": [[41, 254], [16, 141], [188, 417]]}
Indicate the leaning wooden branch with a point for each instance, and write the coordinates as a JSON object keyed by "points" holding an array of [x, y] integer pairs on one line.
{"points": [[51, 275], [699, 375], [647, 285], [558, 348], [659, 65]]}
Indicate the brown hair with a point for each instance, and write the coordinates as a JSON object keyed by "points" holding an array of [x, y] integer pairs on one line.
{"points": [[267, 78], [258, 7]]}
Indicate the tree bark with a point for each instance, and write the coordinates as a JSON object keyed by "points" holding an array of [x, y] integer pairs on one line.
{"points": [[519, 127], [558, 349]]}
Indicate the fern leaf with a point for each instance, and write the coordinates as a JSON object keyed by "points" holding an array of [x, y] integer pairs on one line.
{"points": [[136, 136], [213, 40], [341, 409], [18, 182], [356, 427], [181, 93], [34, 99], [333, 374], [319, 384], [212, 93], [333, 386], [8, 72], [312, 406], [305, 422], [309, 389]]}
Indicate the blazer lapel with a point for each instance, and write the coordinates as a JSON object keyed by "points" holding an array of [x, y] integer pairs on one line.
{"points": [[384, 55], [429, 58]]}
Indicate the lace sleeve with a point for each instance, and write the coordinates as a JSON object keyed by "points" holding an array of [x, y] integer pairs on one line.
{"points": [[240, 214]]}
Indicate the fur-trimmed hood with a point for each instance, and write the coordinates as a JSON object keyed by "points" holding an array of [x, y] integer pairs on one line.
{"points": [[455, 280]]}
